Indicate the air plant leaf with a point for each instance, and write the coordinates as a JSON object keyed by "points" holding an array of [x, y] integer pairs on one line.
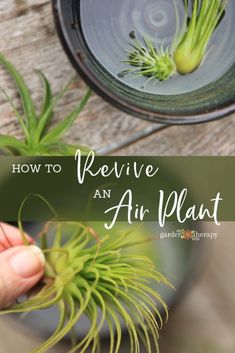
{"points": [[83, 275], [10, 144], [10, 141], [47, 94], [37, 139], [205, 17], [18, 115], [64, 125], [29, 108], [45, 118]]}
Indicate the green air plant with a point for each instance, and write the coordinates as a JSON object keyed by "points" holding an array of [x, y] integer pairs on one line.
{"points": [[38, 140], [96, 276], [188, 47], [199, 28], [149, 61]]}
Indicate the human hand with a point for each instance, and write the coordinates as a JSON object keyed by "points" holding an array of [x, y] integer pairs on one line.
{"points": [[21, 267]]}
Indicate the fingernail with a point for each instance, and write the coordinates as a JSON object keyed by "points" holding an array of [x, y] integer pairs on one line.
{"points": [[28, 263]]}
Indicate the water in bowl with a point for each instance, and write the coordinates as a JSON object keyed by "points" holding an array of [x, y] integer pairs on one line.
{"points": [[106, 25]]}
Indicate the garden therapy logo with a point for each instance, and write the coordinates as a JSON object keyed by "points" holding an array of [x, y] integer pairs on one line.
{"points": [[186, 234]]}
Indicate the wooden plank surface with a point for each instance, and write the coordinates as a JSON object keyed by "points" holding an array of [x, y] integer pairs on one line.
{"points": [[29, 40], [214, 138]]}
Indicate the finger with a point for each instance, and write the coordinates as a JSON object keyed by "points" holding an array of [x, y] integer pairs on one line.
{"points": [[21, 268], [10, 236]]}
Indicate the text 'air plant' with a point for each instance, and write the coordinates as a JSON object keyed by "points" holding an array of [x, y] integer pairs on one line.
{"points": [[102, 277], [38, 140]]}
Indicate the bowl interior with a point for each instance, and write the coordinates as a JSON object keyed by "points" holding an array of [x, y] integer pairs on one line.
{"points": [[95, 34], [106, 26]]}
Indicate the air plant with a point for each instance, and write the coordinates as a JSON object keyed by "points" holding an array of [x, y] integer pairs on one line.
{"points": [[84, 273], [188, 47], [205, 17], [101, 277], [38, 140], [149, 61]]}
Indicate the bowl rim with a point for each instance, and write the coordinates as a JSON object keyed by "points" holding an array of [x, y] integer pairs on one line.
{"points": [[212, 114]]}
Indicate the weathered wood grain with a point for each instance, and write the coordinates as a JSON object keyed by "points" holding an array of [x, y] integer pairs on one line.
{"points": [[215, 139], [29, 40]]}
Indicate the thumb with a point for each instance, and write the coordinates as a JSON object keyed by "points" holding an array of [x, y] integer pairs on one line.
{"points": [[21, 267]]}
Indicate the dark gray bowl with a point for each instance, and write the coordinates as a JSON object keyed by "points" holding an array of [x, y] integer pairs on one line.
{"points": [[94, 34]]}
